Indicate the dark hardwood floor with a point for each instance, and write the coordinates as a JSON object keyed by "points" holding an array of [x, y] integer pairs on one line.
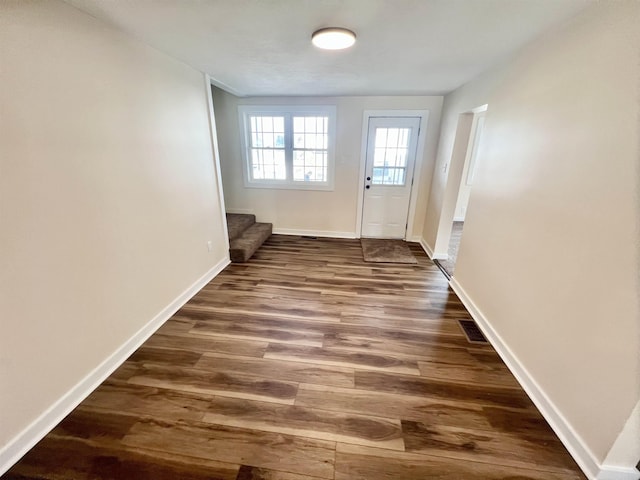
{"points": [[308, 363]]}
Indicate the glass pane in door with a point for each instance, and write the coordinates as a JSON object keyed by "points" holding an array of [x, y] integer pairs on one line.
{"points": [[390, 156]]}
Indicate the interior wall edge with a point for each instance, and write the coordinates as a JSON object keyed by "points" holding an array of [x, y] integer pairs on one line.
{"points": [[426, 247], [433, 255], [32, 434], [574, 444], [213, 132], [627, 446]]}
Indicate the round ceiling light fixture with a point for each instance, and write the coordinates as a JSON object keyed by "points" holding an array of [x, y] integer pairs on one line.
{"points": [[333, 38]]}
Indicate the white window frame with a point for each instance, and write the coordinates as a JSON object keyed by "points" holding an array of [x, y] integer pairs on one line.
{"points": [[244, 113]]}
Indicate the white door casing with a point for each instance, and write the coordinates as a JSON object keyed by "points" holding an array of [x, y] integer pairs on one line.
{"points": [[390, 159]]}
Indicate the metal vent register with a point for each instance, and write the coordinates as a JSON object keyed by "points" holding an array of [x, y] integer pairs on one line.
{"points": [[471, 330]]}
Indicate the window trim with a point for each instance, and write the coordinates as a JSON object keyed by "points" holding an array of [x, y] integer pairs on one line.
{"points": [[245, 111]]}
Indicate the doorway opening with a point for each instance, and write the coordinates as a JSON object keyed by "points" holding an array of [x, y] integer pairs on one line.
{"points": [[459, 186], [448, 265]]}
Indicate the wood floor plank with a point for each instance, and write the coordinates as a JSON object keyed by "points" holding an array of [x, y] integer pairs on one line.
{"points": [[140, 400], [496, 421], [258, 333], [206, 312], [480, 373], [236, 385], [260, 309], [279, 369], [345, 332], [417, 408], [378, 338], [306, 422], [530, 423], [420, 386], [254, 473], [167, 356], [426, 331], [203, 344], [56, 459], [341, 358], [265, 305], [65, 458], [107, 428], [480, 445], [383, 342], [432, 325], [402, 351], [176, 325], [365, 463], [466, 357], [236, 445], [236, 287], [427, 312]]}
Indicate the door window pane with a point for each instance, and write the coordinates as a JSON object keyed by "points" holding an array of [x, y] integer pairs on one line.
{"points": [[390, 156]]}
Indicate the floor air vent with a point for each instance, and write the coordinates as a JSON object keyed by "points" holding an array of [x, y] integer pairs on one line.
{"points": [[471, 330]]}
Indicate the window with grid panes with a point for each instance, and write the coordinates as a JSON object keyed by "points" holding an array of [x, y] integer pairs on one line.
{"points": [[288, 147]]}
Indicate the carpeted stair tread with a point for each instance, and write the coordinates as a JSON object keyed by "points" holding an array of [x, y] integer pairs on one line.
{"points": [[238, 223], [241, 248]]}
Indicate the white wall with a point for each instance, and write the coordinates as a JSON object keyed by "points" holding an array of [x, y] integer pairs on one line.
{"points": [[463, 198], [108, 196], [329, 213], [549, 255]]}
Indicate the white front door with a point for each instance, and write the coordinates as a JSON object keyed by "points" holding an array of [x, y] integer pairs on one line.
{"points": [[391, 153]]}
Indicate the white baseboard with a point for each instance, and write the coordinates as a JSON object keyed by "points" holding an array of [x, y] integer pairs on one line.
{"points": [[314, 233], [430, 252], [608, 472], [244, 211], [563, 429], [26, 440], [626, 448], [427, 249]]}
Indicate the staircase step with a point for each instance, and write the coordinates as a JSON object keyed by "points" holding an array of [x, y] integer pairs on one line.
{"points": [[241, 248], [238, 223]]}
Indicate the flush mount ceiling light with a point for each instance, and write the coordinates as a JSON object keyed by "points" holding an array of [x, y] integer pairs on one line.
{"points": [[333, 38]]}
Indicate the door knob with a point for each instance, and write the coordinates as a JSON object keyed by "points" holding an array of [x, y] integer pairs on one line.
{"points": [[368, 178], [368, 187]]}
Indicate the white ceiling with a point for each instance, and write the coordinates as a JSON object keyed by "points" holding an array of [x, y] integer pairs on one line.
{"points": [[404, 47]]}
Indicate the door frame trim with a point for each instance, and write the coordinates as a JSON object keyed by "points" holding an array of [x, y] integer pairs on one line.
{"points": [[417, 169]]}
